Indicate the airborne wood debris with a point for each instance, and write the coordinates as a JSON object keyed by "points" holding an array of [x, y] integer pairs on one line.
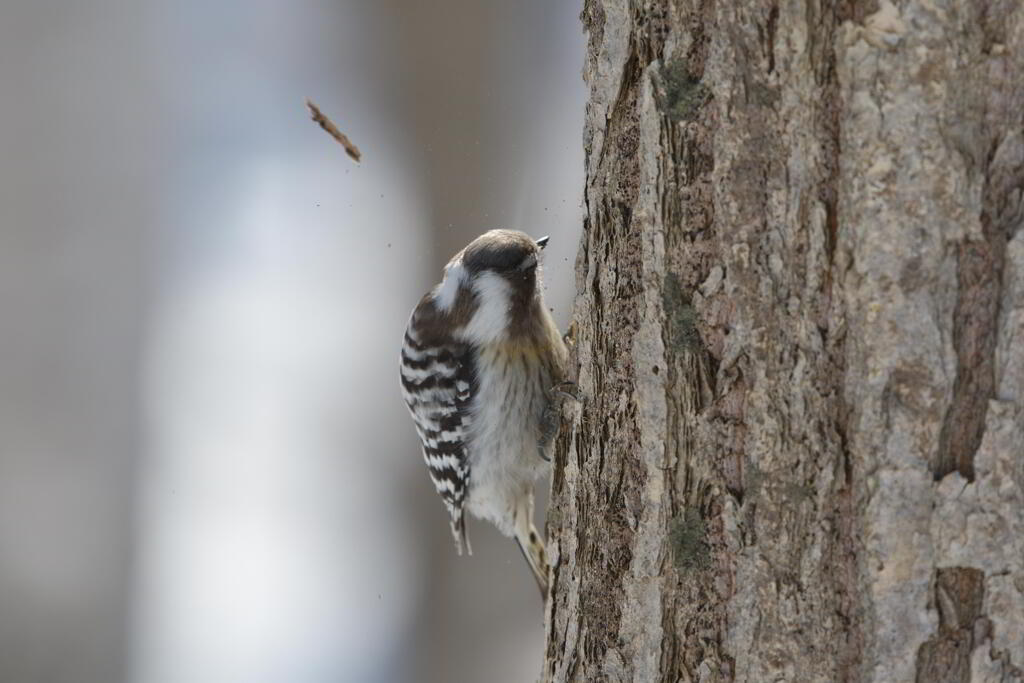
{"points": [[332, 130]]}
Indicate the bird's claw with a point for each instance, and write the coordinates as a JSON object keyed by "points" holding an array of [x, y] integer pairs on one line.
{"points": [[568, 390]]}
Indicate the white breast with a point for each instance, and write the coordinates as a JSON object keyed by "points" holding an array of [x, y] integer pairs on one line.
{"points": [[504, 434]]}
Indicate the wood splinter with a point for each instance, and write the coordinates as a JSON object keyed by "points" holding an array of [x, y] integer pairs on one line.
{"points": [[333, 131]]}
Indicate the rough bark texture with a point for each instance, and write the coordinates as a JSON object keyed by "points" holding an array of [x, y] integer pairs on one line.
{"points": [[799, 455]]}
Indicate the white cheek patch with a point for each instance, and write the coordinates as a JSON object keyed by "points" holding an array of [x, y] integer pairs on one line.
{"points": [[494, 299], [454, 277], [528, 262]]}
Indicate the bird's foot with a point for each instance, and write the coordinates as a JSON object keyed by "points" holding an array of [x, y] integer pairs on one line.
{"points": [[569, 390]]}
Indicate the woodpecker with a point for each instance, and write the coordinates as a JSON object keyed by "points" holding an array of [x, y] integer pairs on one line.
{"points": [[481, 366]]}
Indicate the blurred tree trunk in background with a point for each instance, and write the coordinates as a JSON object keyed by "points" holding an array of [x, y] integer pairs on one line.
{"points": [[800, 335]]}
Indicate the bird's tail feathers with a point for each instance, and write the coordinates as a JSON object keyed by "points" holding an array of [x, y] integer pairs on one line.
{"points": [[459, 532], [531, 544]]}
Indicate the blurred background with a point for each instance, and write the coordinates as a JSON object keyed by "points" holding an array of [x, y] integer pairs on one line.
{"points": [[207, 474]]}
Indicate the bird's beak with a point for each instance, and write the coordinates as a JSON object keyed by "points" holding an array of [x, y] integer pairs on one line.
{"points": [[543, 241]]}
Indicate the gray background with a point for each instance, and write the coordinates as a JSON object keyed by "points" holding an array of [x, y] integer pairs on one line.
{"points": [[206, 471]]}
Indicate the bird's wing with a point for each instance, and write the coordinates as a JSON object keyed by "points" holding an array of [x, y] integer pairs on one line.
{"points": [[438, 382]]}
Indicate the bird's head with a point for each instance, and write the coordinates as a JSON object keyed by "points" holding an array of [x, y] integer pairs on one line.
{"points": [[497, 277]]}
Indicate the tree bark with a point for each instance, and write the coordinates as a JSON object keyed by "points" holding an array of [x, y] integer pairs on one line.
{"points": [[799, 332]]}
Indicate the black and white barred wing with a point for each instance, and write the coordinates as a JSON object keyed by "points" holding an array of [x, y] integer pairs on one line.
{"points": [[437, 384]]}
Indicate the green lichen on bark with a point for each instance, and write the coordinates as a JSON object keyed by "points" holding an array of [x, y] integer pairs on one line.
{"points": [[684, 94], [688, 539], [681, 317]]}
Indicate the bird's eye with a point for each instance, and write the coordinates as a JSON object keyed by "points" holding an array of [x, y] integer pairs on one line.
{"points": [[529, 262]]}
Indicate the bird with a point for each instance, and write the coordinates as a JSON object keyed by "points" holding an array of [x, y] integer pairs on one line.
{"points": [[482, 369]]}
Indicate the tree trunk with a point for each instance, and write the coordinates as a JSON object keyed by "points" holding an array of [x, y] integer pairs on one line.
{"points": [[799, 450]]}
